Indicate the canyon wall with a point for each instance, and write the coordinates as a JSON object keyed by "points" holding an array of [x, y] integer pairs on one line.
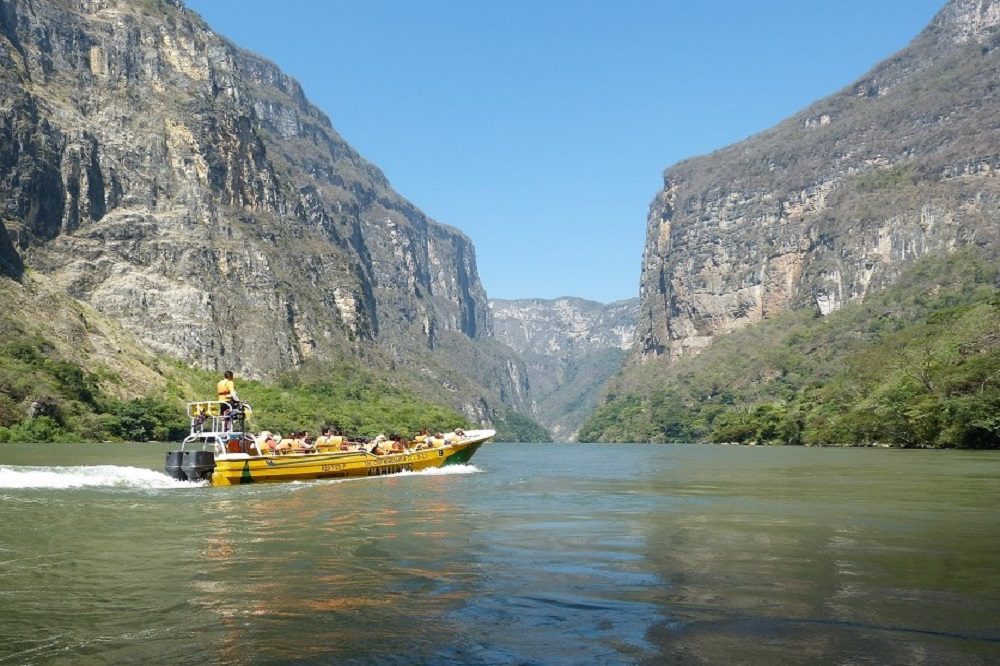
{"points": [[831, 204], [187, 189]]}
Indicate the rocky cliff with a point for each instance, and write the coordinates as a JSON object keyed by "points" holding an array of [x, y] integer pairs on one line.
{"points": [[571, 347], [187, 189], [831, 204]]}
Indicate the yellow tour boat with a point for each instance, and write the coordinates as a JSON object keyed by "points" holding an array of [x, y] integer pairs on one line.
{"points": [[219, 449]]}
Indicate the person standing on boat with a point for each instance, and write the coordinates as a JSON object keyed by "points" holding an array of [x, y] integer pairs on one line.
{"points": [[226, 391]]}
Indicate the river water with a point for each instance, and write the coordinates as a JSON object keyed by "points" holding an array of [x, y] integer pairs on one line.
{"points": [[532, 554]]}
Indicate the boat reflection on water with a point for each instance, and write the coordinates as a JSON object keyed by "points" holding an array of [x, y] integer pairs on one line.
{"points": [[302, 568]]}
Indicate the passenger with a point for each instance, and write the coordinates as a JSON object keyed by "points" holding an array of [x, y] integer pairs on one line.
{"points": [[198, 417], [323, 441], [260, 441], [270, 445], [336, 441], [234, 443], [378, 446], [304, 443], [284, 444]]}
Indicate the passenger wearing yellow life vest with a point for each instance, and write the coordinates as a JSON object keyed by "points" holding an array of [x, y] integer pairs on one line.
{"points": [[226, 389], [227, 393]]}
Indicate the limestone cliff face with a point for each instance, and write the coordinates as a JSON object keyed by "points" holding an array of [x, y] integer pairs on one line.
{"points": [[571, 347], [829, 205], [188, 189]]}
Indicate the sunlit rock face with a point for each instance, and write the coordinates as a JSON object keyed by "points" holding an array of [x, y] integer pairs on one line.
{"points": [[189, 189], [570, 347], [830, 204]]}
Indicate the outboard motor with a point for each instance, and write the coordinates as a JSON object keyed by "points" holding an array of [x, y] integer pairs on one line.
{"points": [[198, 465], [174, 465]]}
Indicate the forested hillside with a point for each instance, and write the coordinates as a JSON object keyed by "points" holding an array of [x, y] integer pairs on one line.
{"points": [[916, 365], [797, 286], [69, 374], [45, 397]]}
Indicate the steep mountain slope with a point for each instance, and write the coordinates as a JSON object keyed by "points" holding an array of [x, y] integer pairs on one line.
{"points": [[188, 190], [831, 204], [570, 347], [754, 251]]}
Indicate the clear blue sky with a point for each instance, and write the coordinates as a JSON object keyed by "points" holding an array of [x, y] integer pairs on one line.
{"points": [[541, 128]]}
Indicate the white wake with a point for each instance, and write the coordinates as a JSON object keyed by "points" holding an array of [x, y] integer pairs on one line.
{"points": [[107, 476], [446, 470]]}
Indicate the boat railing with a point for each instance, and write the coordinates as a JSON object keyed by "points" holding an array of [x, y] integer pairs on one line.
{"points": [[210, 417]]}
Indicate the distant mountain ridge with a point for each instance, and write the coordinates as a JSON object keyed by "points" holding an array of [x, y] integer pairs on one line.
{"points": [[188, 190], [570, 347]]}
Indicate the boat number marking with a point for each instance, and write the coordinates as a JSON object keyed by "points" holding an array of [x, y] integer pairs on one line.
{"points": [[396, 459], [333, 468], [389, 469]]}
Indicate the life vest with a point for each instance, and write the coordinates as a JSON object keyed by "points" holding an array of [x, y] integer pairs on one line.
{"points": [[225, 389]]}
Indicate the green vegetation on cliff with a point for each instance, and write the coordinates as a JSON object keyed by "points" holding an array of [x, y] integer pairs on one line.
{"points": [[915, 365], [46, 398], [355, 401], [69, 374], [515, 427]]}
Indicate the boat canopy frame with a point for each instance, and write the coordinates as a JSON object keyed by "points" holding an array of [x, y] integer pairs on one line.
{"points": [[215, 423]]}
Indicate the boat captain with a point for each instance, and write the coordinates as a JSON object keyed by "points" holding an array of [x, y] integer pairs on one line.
{"points": [[226, 391]]}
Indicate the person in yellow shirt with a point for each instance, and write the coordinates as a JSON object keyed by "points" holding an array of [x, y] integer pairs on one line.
{"points": [[285, 444], [226, 389]]}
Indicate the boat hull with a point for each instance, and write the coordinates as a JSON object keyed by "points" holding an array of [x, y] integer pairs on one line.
{"points": [[236, 469]]}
